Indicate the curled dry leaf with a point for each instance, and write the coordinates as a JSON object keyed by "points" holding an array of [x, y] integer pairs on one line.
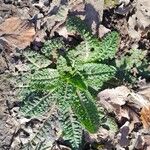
{"points": [[117, 101], [145, 117], [116, 96], [137, 100], [141, 100], [16, 33], [145, 91], [113, 100]]}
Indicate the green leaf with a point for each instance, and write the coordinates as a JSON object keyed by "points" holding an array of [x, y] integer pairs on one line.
{"points": [[45, 136], [86, 111], [110, 122], [72, 130], [92, 49], [63, 65], [36, 59], [44, 80], [109, 45], [36, 103], [51, 47], [77, 81], [75, 24], [68, 85], [97, 74], [40, 87], [71, 126], [135, 58]]}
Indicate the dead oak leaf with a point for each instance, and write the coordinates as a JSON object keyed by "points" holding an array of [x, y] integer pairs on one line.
{"points": [[145, 92], [145, 117], [16, 33]]}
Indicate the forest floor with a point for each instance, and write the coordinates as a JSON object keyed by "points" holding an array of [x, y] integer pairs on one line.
{"points": [[29, 23]]}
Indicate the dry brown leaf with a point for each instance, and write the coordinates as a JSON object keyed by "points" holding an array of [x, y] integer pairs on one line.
{"points": [[134, 118], [115, 96], [123, 139], [112, 99], [63, 32], [147, 141], [137, 141], [137, 100], [145, 92], [16, 33], [102, 31], [143, 13], [145, 117]]}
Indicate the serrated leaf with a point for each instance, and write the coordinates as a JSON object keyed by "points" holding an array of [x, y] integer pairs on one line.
{"points": [[72, 130], [46, 135], [63, 65], [37, 60], [92, 49], [75, 24], [134, 59], [86, 111], [50, 47], [76, 71], [36, 103], [109, 45], [44, 80], [96, 74], [71, 126]]}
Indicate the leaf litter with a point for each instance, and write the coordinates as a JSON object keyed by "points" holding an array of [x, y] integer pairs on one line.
{"points": [[130, 108]]}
